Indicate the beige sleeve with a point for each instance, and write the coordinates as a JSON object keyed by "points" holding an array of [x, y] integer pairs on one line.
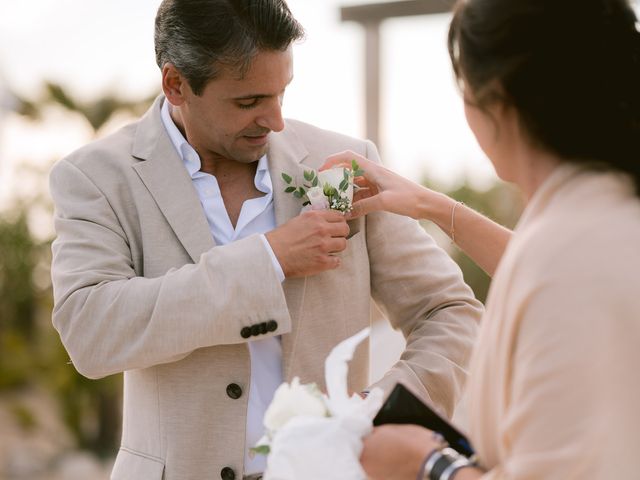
{"points": [[111, 320], [571, 411], [422, 293]]}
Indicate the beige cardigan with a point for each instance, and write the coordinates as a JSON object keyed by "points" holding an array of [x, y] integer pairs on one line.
{"points": [[555, 387]]}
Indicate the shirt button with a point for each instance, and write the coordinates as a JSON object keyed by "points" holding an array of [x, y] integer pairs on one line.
{"points": [[227, 474], [234, 391], [245, 332], [272, 325]]}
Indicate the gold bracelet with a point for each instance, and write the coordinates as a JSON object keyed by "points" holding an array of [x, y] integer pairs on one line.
{"points": [[453, 218]]}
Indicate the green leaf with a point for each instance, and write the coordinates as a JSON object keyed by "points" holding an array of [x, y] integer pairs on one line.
{"points": [[329, 191], [286, 178], [358, 173], [344, 184], [308, 175], [345, 174], [261, 450], [297, 194], [314, 182], [289, 189], [302, 191], [354, 165]]}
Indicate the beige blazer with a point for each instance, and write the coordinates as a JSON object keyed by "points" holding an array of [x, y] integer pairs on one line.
{"points": [[554, 387], [141, 288]]}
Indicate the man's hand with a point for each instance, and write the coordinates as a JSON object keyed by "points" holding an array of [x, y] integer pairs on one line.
{"points": [[306, 244]]}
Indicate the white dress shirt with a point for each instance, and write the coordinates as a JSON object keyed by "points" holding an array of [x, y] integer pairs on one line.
{"points": [[256, 217]]}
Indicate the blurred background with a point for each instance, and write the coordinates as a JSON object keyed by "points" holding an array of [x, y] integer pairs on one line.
{"points": [[75, 70]]}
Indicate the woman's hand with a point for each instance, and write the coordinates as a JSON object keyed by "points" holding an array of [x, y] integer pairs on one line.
{"points": [[382, 189], [479, 237], [396, 452]]}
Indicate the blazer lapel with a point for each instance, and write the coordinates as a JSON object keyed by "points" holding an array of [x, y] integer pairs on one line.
{"points": [[286, 153], [169, 183]]}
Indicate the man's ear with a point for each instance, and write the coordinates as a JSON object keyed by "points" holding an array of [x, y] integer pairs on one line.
{"points": [[174, 85]]}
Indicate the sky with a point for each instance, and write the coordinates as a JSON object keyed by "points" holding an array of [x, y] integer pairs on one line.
{"points": [[93, 47]]}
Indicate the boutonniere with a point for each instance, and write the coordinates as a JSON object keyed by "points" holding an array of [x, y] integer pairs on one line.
{"points": [[329, 189]]}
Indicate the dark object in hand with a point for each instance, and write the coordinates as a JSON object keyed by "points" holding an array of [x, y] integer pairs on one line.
{"points": [[403, 407]]}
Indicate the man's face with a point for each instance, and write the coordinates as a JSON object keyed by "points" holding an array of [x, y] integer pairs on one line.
{"points": [[234, 116]]}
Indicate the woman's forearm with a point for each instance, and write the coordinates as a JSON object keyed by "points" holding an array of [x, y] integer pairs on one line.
{"points": [[482, 239]]}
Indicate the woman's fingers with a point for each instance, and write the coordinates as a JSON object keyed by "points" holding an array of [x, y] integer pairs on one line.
{"points": [[343, 159]]}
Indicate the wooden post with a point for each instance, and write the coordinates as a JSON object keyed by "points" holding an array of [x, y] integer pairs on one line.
{"points": [[372, 81], [371, 16]]}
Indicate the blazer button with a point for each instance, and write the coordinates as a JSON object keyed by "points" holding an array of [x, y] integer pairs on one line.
{"points": [[234, 391], [227, 474], [255, 330], [272, 325], [245, 332], [263, 328]]}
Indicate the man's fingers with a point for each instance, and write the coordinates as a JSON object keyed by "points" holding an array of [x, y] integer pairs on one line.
{"points": [[336, 245], [332, 216], [338, 230], [330, 262]]}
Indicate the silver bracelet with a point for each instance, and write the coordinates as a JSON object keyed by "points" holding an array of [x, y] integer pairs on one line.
{"points": [[431, 461], [442, 464], [454, 467]]}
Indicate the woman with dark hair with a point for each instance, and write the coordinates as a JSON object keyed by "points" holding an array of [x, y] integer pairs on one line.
{"points": [[552, 94]]}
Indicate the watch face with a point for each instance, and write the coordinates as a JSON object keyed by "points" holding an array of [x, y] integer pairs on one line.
{"points": [[403, 407]]}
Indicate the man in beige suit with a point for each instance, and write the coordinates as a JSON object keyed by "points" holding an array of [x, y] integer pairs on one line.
{"points": [[180, 261]]}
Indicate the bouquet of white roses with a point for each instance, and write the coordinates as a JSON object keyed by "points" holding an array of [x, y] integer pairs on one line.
{"points": [[315, 436], [329, 189]]}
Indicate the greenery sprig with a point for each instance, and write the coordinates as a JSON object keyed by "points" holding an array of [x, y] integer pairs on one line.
{"points": [[337, 198]]}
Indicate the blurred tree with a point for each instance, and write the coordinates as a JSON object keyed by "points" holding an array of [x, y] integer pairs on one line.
{"points": [[97, 112], [502, 203], [31, 353], [17, 301]]}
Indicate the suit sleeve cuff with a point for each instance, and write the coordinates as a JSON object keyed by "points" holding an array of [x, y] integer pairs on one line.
{"points": [[274, 260]]}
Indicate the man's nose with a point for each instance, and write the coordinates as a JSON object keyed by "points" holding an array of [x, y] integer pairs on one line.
{"points": [[272, 117]]}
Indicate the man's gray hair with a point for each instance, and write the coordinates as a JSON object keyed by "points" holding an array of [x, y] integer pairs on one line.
{"points": [[199, 37]]}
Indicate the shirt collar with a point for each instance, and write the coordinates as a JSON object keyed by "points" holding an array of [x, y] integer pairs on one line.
{"points": [[191, 159]]}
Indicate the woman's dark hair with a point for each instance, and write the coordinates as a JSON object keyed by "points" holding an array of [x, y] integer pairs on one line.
{"points": [[570, 68], [200, 36]]}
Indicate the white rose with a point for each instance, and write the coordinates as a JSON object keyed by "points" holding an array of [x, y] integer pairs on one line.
{"points": [[317, 198], [335, 176], [291, 401]]}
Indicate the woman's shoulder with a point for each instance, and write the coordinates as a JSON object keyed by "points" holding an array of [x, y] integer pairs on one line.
{"points": [[594, 217], [585, 240]]}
